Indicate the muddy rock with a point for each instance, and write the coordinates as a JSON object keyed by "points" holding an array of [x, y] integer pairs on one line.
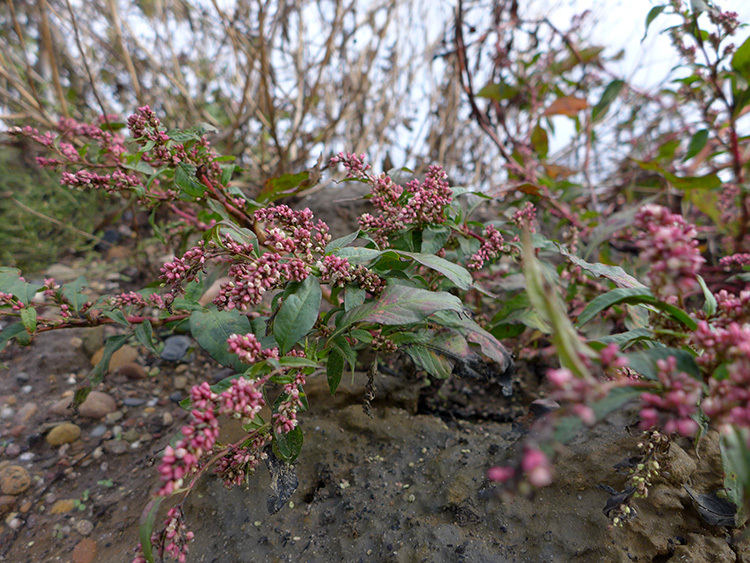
{"points": [[123, 356], [64, 433], [97, 405], [7, 502], [132, 370], [704, 549], [25, 413], [63, 506], [84, 551], [14, 480]]}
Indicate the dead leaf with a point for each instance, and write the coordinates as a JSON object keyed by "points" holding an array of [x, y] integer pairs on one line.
{"points": [[569, 105]]}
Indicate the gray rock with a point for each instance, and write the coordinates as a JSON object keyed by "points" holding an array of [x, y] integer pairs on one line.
{"points": [[175, 348]]}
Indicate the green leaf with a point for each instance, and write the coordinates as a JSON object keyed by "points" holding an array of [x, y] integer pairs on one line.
{"points": [[185, 180], [401, 305], [16, 330], [625, 337], [298, 312], [211, 328], [354, 296], [275, 188], [341, 242], [544, 299], [709, 305], [741, 60], [429, 360], [144, 333], [297, 362], [146, 527], [334, 369], [434, 238], [735, 460], [73, 293], [608, 96], [10, 282], [644, 361], [28, 318], [613, 273], [357, 254], [498, 92], [117, 316], [697, 142], [459, 275], [288, 446], [633, 296], [112, 345], [540, 140]]}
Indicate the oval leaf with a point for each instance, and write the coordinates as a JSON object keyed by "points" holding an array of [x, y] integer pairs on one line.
{"points": [[298, 312], [212, 327]]}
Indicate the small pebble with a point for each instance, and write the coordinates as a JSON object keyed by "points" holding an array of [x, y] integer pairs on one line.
{"points": [[133, 402], [7, 412], [167, 418], [180, 382], [13, 450], [26, 456], [115, 447], [26, 389], [176, 397], [113, 417], [98, 431], [84, 527], [22, 377]]}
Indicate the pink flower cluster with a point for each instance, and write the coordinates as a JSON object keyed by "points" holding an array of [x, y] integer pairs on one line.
{"points": [[285, 417], [183, 270], [669, 247], [247, 347], [133, 299], [428, 200], [239, 464], [173, 541], [294, 231], [739, 260], [421, 203], [535, 466], [144, 124], [732, 308], [492, 246], [250, 281], [578, 392], [726, 348], [673, 407], [354, 164], [85, 179], [242, 400], [525, 217]]}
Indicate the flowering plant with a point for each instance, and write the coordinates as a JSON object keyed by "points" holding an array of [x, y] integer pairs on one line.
{"points": [[296, 304]]}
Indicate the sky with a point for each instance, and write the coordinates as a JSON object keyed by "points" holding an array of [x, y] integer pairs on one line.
{"points": [[620, 24]]}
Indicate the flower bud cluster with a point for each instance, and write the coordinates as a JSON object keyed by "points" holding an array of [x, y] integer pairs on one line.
{"points": [[354, 164], [726, 349], [674, 406], [492, 246], [738, 260], [535, 467], [421, 203], [669, 247], [525, 218], [236, 467], [243, 400], [285, 417]]}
